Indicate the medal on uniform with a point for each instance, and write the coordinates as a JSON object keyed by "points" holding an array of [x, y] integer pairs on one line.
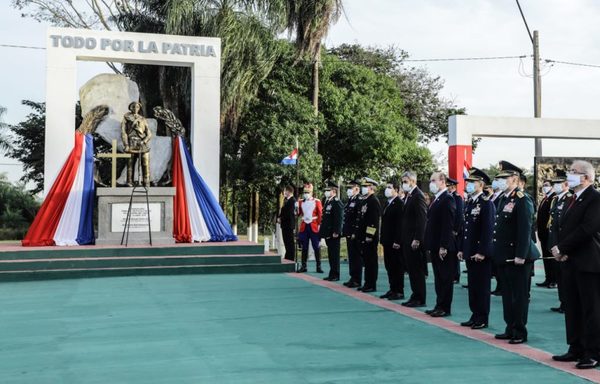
{"points": [[509, 207]]}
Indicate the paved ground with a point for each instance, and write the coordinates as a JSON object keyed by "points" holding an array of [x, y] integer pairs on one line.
{"points": [[246, 329]]}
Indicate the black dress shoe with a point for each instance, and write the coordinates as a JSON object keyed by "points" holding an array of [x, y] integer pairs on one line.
{"points": [[465, 286], [496, 292], [386, 295], [396, 296], [479, 326], [353, 284], [440, 313], [334, 279], [503, 336], [567, 357], [543, 284], [430, 311], [551, 286], [413, 304], [368, 289], [517, 340], [319, 270], [557, 309], [327, 278], [302, 270], [467, 323], [586, 363]]}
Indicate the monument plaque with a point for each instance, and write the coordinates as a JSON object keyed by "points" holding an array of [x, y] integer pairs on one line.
{"points": [[138, 222]]}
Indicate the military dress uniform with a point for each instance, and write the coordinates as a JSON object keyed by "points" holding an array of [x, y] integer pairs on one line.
{"points": [[331, 230], [355, 265], [480, 214], [512, 239], [542, 224], [367, 236]]}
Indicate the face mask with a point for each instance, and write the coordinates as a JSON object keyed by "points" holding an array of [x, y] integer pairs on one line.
{"points": [[349, 192], [546, 189], [573, 179], [306, 196], [433, 188], [388, 192], [502, 184], [328, 194], [495, 184], [470, 188], [558, 188], [406, 187], [364, 190]]}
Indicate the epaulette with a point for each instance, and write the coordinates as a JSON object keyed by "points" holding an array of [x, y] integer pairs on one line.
{"points": [[485, 198], [520, 195], [569, 194]]}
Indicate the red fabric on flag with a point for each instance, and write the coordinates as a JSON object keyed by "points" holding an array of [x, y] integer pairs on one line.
{"points": [[41, 231], [182, 229]]}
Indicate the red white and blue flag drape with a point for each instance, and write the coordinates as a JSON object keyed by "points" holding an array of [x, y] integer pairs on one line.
{"points": [[65, 217], [197, 214]]}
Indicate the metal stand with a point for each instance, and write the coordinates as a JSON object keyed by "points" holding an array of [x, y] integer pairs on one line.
{"points": [[139, 187]]}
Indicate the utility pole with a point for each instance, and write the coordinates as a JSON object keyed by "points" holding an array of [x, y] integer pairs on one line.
{"points": [[537, 88]]}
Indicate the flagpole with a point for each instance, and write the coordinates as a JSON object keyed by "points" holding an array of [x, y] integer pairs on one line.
{"points": [[298, 189]]}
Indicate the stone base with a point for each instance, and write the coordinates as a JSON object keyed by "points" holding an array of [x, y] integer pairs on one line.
{"points": [[112, 212]]}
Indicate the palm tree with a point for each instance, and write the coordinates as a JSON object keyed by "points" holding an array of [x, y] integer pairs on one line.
{"points": [[5, 143], [310, 20]]}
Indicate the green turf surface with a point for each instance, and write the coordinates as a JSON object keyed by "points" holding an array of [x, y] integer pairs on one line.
{"points": [[239, 329]]}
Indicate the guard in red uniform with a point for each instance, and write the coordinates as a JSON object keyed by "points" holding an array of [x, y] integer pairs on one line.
{"points": [[310, 211]]}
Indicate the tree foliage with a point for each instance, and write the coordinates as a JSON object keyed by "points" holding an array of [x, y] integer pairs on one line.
{"points": [[17, 210], [5, 142]]}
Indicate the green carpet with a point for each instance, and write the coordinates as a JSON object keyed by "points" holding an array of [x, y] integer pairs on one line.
{"points": [[242, 329]]}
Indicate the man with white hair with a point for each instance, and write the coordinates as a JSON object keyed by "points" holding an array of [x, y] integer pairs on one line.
{"points": [[578, 249]]}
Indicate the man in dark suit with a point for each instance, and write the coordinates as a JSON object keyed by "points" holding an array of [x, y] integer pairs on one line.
{"points": [[542, 226], [560, 200], [495, 198], [331, 229], [459, 218], [475, 248], [287, 220], [578, 249], [350, 216], [391, 225], [367, 232], [414, 220], [514, 252], [440, 243]]}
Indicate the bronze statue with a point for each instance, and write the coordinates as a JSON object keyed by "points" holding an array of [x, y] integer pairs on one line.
{"points": [[136, 134]]}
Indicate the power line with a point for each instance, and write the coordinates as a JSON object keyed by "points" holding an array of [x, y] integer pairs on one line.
{"points": [[467, 58], [21, 46], [524, 21], [572, 63]]}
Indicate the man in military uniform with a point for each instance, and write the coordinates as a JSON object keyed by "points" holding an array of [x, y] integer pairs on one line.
{"points": [[414, 220], [310, 211], [514, 252], [391, 238], [367, 232], [440, 244], [495, 198], [331, 229], [475, 248], [355, 265], [287, 220], [459, 218], [561, 199], [542, 224]]}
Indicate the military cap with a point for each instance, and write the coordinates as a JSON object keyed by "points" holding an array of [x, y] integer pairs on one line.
{"points": [[507, 169], [451, 182], [478, 175], [330, 184], [308, 187], [352, 183], [560, 176], [366, 181]]}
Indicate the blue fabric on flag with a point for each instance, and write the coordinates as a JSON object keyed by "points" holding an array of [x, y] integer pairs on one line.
{"points": [[215, 219], [85, 234], [288, 161]]}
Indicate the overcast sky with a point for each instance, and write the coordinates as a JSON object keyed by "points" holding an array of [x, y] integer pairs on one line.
{"points": [[569, 31]]}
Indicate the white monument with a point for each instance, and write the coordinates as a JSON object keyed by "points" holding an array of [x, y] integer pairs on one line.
{"points": [[66, 46]]}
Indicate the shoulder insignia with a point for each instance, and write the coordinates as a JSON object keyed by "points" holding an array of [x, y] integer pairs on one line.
{"points": [[371, 230], [486, 198], [520, 194], [569, 194]]}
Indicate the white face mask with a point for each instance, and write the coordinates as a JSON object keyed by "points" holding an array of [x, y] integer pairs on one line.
{"points": [[574, 180], [546, 189], [495, 184], [364, 190], [388, 192], [405, 187], [328, 194], [502, 184], [470, 188], [349, 192], [306, 196], [558, 188], [433, 188]]}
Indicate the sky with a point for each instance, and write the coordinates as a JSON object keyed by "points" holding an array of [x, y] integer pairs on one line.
{"points": [[569, 31]]}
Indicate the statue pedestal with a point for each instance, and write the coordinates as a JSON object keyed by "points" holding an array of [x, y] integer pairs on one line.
{"points": [[112, 212]]}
